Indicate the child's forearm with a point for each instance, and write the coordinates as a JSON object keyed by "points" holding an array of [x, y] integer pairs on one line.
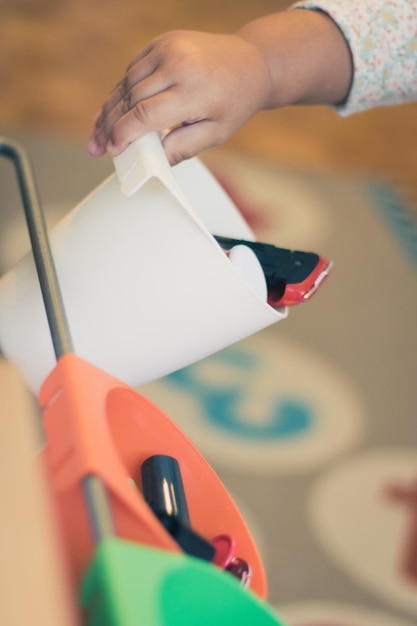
{"points": [[308, 58], [205, 86]]}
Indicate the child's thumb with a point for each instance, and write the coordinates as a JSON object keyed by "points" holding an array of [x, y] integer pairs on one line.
{"points": [[185, 142]]}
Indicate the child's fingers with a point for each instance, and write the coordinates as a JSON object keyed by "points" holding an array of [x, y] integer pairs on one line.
{"points": [[144, 52], [137, 73], [144, 91], [166, 109], [187, 141]]}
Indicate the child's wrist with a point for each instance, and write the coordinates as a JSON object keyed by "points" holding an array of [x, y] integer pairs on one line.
{"points": [[307, 57], [262, 69]]}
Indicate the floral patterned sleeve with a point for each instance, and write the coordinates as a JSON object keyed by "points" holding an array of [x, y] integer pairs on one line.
{"points": [[382, 35]]}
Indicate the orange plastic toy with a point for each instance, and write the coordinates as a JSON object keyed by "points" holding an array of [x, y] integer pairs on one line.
{"points": [[98, 426]]}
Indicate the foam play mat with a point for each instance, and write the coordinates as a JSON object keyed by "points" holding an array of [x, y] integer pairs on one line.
{"points": [[310, 423]]}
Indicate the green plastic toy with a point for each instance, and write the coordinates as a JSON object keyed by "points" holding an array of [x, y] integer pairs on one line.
{"points": [[133, 585]]}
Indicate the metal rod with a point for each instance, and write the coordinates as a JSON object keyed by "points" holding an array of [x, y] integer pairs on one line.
{"points": [[42, 255], [97, 499], [95, 491]]}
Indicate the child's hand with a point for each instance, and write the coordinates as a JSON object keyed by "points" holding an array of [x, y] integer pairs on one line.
{"points": [[202, 86]]}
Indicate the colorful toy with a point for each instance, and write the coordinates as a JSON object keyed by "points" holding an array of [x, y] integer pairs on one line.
{"points": [[140, 548]]}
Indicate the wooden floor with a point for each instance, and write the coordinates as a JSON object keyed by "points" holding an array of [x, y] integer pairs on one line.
{"points": [[60, 58]]}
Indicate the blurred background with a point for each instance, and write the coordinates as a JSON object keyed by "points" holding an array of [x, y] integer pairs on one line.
{"points": [[338, 377]]}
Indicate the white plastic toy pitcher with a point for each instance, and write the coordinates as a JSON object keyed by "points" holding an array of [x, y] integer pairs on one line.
{"points": [[146, 288]]}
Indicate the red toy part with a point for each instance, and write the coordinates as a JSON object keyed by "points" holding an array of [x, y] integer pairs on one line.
{"points": [[296, 293]]}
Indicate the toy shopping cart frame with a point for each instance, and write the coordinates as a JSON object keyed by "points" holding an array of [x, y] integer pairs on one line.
{"points": [[126, 566]]}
